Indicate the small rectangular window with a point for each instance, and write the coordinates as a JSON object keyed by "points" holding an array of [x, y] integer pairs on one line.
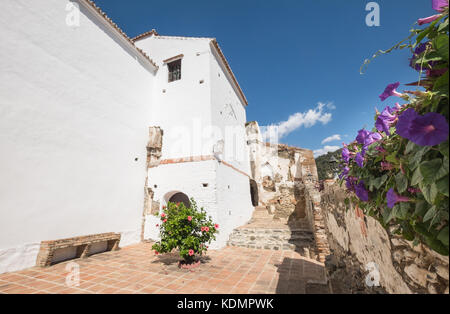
{"points": [[174, 70]]}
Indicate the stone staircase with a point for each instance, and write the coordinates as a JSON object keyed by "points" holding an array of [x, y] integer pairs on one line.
{"points": [[265, 232]]}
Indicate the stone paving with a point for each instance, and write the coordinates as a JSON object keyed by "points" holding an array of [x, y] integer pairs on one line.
{"points": [[136, 269]]}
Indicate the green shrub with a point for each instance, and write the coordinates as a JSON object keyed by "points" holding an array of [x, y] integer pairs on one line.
{"points": [[187, 229]]}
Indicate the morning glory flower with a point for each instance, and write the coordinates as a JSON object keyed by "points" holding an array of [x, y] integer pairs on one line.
{"points": [[350, 183], [419, 49], [363, 136], [428, 130], [439, 5], [345, 154], [404, 122], [361, 191], [344, 172], [390, 90], [436, 72], [366, 137], [385, 119], [359, 159], [429, 19], [392, 198]]}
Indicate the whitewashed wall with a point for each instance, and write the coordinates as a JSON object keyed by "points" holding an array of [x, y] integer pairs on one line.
{"points": [[187, 178], [74, 111], [183, 111], [234, 202]]}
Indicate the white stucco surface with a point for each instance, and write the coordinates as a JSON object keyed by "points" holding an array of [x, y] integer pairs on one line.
{"points": [[76, 103], [74, 110]]}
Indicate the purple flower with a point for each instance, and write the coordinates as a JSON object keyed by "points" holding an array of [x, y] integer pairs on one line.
{"points": [[436, 72], [344, 172], [439, 5], [385, 119], [404, 122], [414, 190], [366, 137], [361, 191], [359, 159], [392, 198], [362, 136], [345, 154], [380, 149], [419, 49], [427, 130], [390, 91], [350, 183], [429, 19], [386, 166]]}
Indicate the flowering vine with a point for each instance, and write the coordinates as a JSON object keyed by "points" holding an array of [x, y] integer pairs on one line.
{"points": [[398, 172]]}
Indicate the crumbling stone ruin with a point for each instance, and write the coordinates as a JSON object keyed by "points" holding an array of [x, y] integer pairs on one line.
{"points": [[364, 253]]}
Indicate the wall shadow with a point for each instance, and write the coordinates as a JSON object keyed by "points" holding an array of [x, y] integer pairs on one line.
{"points": [[299, 276]]}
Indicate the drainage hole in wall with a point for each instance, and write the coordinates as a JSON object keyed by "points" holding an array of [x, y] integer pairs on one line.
{"points": [[136, 159], [205, 185], [155, 186]]}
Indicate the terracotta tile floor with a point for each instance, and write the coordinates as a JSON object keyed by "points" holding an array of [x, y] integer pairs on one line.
{"points": [[135, 269]]}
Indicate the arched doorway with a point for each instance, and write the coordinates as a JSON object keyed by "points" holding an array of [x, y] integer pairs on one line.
{"points": [[254, 192], [179, 197]]}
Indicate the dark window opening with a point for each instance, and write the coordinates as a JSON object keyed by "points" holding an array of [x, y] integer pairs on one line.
{"points": [[174, 70]]}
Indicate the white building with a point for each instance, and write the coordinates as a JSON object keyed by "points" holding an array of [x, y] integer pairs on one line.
{"points": [[77, 99]]}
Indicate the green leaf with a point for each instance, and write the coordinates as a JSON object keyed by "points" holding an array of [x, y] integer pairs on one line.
{"points": [[441, 84], [443, 148], [391, 158], [433, 170], [417, 157], [416, 177], [388, 214], [430, 214], [437, 246], [421, 208], [401, 182], [443, 236], [410, 147], [443, 25], [442, 185], [403, 210], [429, 192], [440, 43]]}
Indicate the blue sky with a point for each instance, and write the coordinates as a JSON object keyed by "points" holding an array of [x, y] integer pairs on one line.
{"points": [[291, 55]]}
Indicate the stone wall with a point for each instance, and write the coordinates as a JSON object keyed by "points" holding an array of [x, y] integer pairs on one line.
{"points": [[359, 243]]}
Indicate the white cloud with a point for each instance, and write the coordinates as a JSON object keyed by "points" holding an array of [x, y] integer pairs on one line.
{"points": [[332, 138], [324, 150], [306, 119]]}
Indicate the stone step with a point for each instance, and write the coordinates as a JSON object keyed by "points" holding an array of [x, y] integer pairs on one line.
{"points": [[282, 238], [261, 208], [262, 214], [303, 248]]}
